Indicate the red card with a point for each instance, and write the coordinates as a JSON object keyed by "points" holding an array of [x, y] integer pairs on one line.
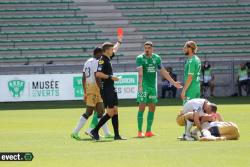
{"points": [[119, 32]]}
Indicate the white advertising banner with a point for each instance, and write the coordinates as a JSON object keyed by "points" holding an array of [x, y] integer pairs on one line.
{"points": [[46, 87]]}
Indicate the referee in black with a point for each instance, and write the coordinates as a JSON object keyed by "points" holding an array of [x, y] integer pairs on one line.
{"points": [[108, 92]]}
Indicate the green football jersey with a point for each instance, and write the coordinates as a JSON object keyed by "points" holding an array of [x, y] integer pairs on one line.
{"points": [[150, 66], [193, 67]]}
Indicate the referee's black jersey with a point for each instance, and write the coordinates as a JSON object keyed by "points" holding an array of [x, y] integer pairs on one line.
{"points": [[105, 66]]}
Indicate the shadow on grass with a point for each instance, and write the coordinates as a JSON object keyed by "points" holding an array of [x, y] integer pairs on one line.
{"points": [[86, 139], [103, 141]]}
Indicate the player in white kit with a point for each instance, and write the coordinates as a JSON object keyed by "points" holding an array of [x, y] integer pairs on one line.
{"points": [[92, 95], [191, 113]]}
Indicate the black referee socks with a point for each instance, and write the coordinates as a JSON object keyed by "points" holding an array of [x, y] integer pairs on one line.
{"points": [[102, 121], [115, 124]]}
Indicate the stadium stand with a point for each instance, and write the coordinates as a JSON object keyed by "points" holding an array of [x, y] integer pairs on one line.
{"points": [[65, 31]]}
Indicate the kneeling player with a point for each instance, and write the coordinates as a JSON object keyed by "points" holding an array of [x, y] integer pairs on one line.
{"points": [[192, 111]]}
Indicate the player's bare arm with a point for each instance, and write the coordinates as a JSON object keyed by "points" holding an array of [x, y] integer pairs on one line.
{"points": [[98, 81], [207, 118], [84, 85], [166, 75], [140, 75], [119, 40], [187, 84], [197, 120], [118, 44], [212, 138]]}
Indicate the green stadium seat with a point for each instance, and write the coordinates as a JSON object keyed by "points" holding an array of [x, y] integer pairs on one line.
{"points": [[45, 48], [187, 14], [56, 27], [208, 53], [190, 21], [40, 17], [47, 25], [44, 57], [48, 57], [51, 32], [143, 0], [39, 9], [14, 16], [206, 44], [195, 29], [183, 6], [199, 36], [53, 40], [35, 2]]}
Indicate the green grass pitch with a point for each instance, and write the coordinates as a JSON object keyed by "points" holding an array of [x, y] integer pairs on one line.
{"points": [[32, 127]]}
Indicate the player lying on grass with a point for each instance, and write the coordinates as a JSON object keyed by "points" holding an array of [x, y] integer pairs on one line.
{"points": [[147, 64], [216, 130], [92, 94], [191, 113]]}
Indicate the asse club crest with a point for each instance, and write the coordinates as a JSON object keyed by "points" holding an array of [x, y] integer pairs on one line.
{"points": [[16, 87]]}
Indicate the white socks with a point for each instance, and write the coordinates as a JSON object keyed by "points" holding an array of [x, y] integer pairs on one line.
{"points": [[105, 128], [80, 124], [188, 127]]}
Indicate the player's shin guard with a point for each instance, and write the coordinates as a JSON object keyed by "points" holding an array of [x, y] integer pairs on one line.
{"points": [[115, 124], [150, 119], [140, 120]]}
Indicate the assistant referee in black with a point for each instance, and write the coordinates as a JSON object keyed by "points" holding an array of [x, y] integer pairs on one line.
{"points": [[108, 91]]}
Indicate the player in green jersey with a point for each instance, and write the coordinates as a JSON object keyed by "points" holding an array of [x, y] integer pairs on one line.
{"points": [[192, 72], [147, 64]]}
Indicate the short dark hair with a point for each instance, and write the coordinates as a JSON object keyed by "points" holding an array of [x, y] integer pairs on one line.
{"points": [[213, 107], [97, 50], [149, 43], [106, 46]]}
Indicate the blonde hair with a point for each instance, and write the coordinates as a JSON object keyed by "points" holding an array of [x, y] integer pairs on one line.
{"points": [[192, 45]]}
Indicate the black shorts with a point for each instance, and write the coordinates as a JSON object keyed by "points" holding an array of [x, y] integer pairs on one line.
{"points": [[214, 131], [109, 97]]}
